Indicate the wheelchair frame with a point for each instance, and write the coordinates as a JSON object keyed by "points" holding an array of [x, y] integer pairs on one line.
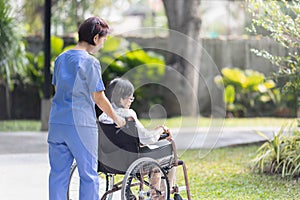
{"points": [[137, 172]]}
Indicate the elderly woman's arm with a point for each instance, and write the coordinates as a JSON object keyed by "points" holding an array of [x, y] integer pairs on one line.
{"points": [[146, 136], [104, 104]]}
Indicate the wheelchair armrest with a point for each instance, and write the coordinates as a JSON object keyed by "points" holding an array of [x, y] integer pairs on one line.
{"points": [[163, 136]]}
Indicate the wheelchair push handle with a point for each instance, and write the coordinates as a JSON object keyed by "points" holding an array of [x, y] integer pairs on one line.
{"points": [[130, 123]]}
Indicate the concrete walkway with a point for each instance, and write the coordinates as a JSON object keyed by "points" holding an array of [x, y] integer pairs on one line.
{"points": [[24, 164]]}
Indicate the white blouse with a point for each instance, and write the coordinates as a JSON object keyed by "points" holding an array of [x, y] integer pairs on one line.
{"points": [[146, 136]]}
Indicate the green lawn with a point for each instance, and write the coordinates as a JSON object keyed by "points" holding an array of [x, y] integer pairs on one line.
{"points": [[206, 122], [20, 125], [176, 122], [224, 174]]}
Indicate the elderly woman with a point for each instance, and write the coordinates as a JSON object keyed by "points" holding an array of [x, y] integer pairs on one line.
{"points": [[120, 92]]}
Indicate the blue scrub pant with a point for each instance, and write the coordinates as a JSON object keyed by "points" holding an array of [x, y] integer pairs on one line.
{"points": [[66, 143]]}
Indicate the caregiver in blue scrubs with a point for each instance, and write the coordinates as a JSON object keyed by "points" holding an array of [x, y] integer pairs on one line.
{"points": [[73, 132]]}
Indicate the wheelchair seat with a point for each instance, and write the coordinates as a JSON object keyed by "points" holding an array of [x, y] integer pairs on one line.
{"points": [[161, 151], [118, 148]]}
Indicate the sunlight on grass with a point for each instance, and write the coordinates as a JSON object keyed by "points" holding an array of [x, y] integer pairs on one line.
{"points": [[224, 174], [20, 125], [177, 122]]}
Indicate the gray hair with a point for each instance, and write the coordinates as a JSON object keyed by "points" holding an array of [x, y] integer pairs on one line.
{"points": [[117, 89]]}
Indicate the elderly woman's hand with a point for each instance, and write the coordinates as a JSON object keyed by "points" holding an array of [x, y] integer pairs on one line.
{"points": [[166, 130]]}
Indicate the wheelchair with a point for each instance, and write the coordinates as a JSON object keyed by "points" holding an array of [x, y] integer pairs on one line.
{"points": [[121, 153]]}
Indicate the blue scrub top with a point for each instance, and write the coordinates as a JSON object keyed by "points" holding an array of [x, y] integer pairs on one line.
{"points": [[76, 75]]}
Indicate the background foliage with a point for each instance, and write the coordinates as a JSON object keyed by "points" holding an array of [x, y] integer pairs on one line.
{"points": [[249, 93], [34, 71], [279, 20], [66, 15], [12, 50], [122, 58]]}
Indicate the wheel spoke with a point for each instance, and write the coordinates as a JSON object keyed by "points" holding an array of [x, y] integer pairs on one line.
{"points": [[145, 179]]}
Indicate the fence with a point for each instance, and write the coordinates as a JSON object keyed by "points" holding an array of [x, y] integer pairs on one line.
{"points": [[224, 52]]}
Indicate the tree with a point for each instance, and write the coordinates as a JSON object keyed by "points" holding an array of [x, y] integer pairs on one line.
{"points": [[66, 15], [12, 50], [184, 22], [280, 21]]}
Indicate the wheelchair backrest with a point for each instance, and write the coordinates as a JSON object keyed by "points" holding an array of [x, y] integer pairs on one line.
{"points": [[117, 147]]}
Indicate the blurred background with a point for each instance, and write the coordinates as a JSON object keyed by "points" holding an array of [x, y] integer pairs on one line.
{"points": [[223, 73]]}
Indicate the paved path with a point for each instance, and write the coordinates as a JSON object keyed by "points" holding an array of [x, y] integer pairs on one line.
{"points": [[24, 163]]}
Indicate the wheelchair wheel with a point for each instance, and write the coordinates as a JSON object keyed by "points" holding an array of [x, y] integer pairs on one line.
{"points": [[105, 183], [145, 179]]}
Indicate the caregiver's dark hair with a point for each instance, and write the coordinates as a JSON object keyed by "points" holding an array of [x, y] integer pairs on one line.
{"points": [[91, 27], [117, 89]]}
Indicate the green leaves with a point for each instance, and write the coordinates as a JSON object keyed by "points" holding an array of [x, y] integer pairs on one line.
{"points": [[244, 89], [12, 50], [112, 44], [34, 70], [279, 20], [279, 155], [229, 96], [247, 79], [119, 56], [57, 45]]}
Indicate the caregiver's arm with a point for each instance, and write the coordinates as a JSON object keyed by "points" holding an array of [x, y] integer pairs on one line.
{"points": [[104, 104]]}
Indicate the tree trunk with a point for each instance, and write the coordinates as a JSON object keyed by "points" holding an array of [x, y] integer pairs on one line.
{"points": [[184, 44]]}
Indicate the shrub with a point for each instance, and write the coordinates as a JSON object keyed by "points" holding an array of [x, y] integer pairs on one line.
{"points": [[246, 91], [12, 51], [34, 71], [281, 155]]}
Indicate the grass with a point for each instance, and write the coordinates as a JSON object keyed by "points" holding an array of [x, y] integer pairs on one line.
{"points": [[206, 122], [20, 125], [176, 122], [224, 174]]}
